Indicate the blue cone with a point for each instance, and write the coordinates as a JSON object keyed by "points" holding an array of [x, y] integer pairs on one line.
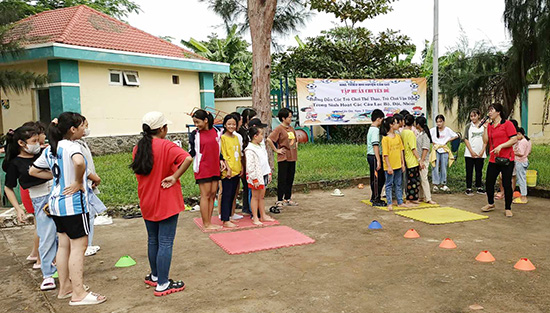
{"points": [[375, 225]]}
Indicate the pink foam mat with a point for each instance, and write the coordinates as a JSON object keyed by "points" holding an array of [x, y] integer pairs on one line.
{"points": [[245, 222], [254, 240]]}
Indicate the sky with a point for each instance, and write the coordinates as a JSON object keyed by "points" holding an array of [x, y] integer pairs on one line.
{"points": [[481, 20]]}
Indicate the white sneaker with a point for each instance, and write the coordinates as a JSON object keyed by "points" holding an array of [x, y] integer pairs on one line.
{"points": [[236, 216], [435, 189], [445, 188], [103, 220], [91, 250]]}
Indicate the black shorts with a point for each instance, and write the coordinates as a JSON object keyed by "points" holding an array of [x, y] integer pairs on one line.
{"points": [[208, 179], [75, 226]]}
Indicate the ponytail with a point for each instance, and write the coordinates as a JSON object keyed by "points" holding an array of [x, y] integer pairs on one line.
{"points": [[143, 160], [59, 128], [439, 117], [12, 143], [203, 115], [421, 120], [409, 120], [386, 126]]}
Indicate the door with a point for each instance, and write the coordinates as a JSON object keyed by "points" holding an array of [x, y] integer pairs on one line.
{"points": [[44, 113]]}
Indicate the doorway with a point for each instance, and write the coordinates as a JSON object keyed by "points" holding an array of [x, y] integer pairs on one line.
{"points": [[44, 112]]}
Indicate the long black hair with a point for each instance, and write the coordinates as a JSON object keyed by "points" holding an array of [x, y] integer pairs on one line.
{"points": [[253, 131], [521, 130], [500, 109], [12, 143], [58, 131], [439, 117], [203, 115], [247, 115], [386, 126], [227, 118], [38, 126], [143, 160], [422, 122], [409, 120]]}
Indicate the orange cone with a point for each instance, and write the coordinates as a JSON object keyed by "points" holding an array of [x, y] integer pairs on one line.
{"points": [[447, 243], [411, 234], [485, 256], [360, 186], [524, 265]]}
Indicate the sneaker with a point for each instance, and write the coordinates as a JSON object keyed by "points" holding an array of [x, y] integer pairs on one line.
{"points": [[236, 216], [445, 188], [469, 192], [435, 189], [379, 203], [480, 191]]}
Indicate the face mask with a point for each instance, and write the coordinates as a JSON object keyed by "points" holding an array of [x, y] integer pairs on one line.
{"points": [[33, 149], [87, 132]]}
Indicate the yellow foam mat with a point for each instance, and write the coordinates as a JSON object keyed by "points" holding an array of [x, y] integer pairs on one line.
{"points": [[422, 205], [443, 215]]}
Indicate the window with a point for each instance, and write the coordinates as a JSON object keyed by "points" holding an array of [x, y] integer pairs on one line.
{"points": [[175, 79], [115, 78], [131, 78]]}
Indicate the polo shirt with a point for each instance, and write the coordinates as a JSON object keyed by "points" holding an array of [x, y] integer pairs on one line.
{"points": [[499, 134]]}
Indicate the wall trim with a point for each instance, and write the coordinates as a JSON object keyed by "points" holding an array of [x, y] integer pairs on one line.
{"points": [[62, 85], [234, 99], [206, 90]]}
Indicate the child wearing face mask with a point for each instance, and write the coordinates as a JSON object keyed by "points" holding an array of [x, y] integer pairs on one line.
{"points": [[22, 149], [96, 206]]}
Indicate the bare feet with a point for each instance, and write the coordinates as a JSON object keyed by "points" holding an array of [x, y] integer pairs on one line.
{"points": [[403, 205], [390, 207], [488, 208], [415, 202], [229, 224], [212, 226], [431, 202]]}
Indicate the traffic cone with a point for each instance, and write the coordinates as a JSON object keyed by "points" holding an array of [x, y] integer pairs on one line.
{"points": [[485, 256], [125, 261], [524, 265], [375, 225], [411, 234], [447, 243]]}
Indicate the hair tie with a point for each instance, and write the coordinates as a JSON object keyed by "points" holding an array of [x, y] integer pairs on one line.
{"points": [[55, 121], [11, 131]]}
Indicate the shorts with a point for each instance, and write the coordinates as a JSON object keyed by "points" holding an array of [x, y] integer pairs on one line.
{"points": [[207, 180], [75, 226], [260, 187]]}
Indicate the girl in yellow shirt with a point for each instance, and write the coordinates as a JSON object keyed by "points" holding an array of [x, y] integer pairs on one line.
{"points": [[231, 143], [394, 161]]}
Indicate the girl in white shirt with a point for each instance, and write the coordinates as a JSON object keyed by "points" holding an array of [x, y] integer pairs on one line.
{"points": [[441, 135], [474, 154]]}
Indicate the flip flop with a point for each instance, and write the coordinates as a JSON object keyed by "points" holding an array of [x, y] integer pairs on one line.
{"points": [[36, 266], [70, 294], [32, 258], [90, 299], [48, 284]]}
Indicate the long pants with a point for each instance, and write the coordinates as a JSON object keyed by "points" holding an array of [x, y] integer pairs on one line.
{"points": [[413, 183], [521, 176], [285, 179], [493, 170], [393, 181], [425, 183], [245, 196], [472, 163], [376, 181], [47, 234], [96, 207], [159, 246], [229, 189], [439, 172]]}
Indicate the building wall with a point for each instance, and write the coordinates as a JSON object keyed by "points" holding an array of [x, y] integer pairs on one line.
{"points": [[22, 106], [117, 110]]}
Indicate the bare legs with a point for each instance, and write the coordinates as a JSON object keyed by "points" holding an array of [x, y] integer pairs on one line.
{"points": [[208, 196], [256, 204]]}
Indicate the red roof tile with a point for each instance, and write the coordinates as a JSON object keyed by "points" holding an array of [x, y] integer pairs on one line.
{"points": [[86, 27]]}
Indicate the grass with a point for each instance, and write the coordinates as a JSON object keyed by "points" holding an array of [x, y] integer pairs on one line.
{"points": [[316, 162]]}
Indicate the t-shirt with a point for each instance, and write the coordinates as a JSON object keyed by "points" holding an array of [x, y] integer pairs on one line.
{"points": [[373, 139], [498, 135], [422, 143], [159, 203], [444, 137], [18, 169], [474, 135], [285, 138], [409, 143], [63, 170], [209, 165], [232, 154], [522, 147], [392, 147]]}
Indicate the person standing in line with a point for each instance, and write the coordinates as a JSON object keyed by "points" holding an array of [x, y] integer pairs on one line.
{"points": [[423, 145], [441, 136], [374, 158], [394, 162], [501, 136], [158, 165], [284, 136], [474, 154], [411, 160], [522, 149], [247, 115], [231, 143]]}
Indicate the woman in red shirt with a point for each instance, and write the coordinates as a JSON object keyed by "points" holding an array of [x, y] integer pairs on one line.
{"points": [[158, 164], [204, 147], [500, 135]]}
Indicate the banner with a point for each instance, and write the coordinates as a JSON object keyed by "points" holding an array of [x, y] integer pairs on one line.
{"points": [[345, 102]]}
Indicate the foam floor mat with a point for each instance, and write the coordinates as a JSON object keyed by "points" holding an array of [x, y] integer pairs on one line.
{"points": [[245, 222], [443, 215], [266, 238], [422, 205]]}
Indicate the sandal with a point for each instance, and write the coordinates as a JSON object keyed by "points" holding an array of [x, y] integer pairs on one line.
{"points": [[279, 203], [91, 250], [149, 281], [32, 258], [275, 209], [488, 208], [290, 203], [519, 201], [48, 284], [36, 266], [70, 294], [90, 299], [173, 286]]}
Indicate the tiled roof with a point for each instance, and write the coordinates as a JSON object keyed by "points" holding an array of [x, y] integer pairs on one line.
{"points": [[86, 27]]}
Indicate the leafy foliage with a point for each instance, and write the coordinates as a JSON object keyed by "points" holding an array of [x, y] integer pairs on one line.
{"points": [[116, 8], [352, 10]]}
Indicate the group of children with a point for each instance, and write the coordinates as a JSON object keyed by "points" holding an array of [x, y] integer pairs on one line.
{"points": [[398, 153], [61, 182]]}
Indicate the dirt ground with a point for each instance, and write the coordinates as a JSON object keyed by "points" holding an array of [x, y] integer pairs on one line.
{"points": [[349, 269]]}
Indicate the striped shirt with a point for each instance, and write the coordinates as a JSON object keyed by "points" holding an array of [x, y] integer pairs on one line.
{"points": [[63, 170]]}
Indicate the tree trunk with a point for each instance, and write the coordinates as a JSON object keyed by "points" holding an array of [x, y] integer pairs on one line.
{"points": [[260, 15]]}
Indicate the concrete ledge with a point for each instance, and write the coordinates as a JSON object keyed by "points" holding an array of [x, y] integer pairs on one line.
{"points": [[124, 143]]}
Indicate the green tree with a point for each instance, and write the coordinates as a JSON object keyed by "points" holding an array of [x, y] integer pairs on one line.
{"points": [[233, 50], [352, 11]]}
